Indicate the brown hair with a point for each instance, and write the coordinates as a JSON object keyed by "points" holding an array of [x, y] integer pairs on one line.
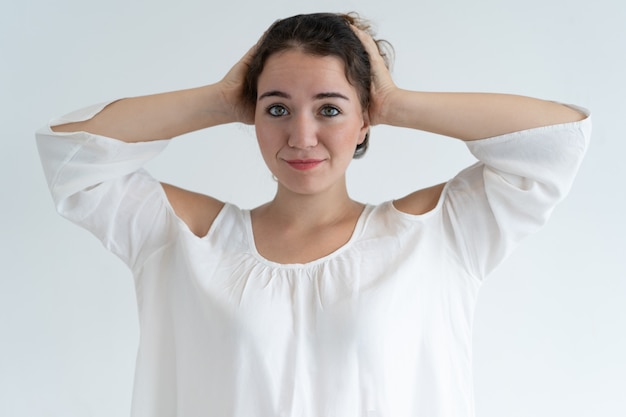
{"points": [[321, 34]]}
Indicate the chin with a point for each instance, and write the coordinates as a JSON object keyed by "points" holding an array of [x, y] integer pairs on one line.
{"points": [[309, 186]]}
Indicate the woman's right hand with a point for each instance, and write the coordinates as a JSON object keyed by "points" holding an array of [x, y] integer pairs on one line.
{"points": [[232, 86], [167, 115]]}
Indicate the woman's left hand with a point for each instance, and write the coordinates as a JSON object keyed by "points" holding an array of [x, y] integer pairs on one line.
{"points": [[383, 87]]}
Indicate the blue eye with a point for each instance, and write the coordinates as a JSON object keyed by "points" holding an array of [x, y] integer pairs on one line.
{"points": [[329, 111], [277, 110]]}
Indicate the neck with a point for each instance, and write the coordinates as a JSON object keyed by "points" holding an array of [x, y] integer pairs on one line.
{"points": [[309, 211]]}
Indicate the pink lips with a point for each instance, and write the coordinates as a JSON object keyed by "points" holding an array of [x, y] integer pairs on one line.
{"points": [[304, 164]]}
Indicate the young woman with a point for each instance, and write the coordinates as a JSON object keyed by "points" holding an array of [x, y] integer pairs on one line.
{"points": [[312, 304]]}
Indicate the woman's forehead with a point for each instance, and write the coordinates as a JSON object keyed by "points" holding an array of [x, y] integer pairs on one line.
{"points": [[295, 66], [292, 71]]}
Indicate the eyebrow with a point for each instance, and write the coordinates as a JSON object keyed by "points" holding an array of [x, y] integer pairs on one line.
{"points": [[319, 96]]}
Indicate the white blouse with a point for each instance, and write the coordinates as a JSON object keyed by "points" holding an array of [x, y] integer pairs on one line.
{"points": [[380, 327]]}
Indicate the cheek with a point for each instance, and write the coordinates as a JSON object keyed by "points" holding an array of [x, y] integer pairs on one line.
{"points": [[267, 140], [350, 135]]}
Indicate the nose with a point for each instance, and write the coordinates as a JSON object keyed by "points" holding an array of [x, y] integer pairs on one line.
{"points": [[303, 133]]}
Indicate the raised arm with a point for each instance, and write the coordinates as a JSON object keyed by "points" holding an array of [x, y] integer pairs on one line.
{"points": [[167, 115], [471, 116], [466, 116]]}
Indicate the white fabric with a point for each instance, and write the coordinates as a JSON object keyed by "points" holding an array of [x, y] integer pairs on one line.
{"points": [[381, 327]]}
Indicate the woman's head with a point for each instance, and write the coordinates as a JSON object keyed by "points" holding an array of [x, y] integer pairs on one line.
{"points": [[322, 34]]}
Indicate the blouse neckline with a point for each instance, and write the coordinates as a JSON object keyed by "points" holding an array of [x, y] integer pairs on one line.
{"points": [[356, 233]]}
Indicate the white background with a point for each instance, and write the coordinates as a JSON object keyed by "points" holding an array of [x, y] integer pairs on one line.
{"points": [[550, 328]]}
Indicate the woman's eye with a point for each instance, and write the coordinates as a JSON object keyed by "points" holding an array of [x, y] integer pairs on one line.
{"points": [[277, 110], [329, 111]]}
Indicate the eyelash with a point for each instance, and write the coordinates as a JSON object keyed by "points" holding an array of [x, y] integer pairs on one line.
{"points": [[270, 110]]}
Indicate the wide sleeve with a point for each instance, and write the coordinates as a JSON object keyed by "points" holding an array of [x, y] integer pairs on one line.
{"points": [[511, 192], [99, 183]]}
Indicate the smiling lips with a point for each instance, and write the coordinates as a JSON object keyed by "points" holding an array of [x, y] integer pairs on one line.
{"points": [[304, 164]]}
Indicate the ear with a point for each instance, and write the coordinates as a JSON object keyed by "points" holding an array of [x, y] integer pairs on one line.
{"points": [[365, 129]]}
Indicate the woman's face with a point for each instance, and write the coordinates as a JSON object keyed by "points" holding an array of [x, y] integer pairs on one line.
{"points": [[308, 120]]}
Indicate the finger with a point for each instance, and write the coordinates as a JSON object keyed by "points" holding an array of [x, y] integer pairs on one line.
{"points": [[249, 55], [368, 42]]}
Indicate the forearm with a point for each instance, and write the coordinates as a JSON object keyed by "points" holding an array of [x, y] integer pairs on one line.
{"points": [[159, 116], [470, 116]]}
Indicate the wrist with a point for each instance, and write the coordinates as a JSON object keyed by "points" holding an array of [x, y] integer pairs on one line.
{"points": [[399, 108], [214, 106]]}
